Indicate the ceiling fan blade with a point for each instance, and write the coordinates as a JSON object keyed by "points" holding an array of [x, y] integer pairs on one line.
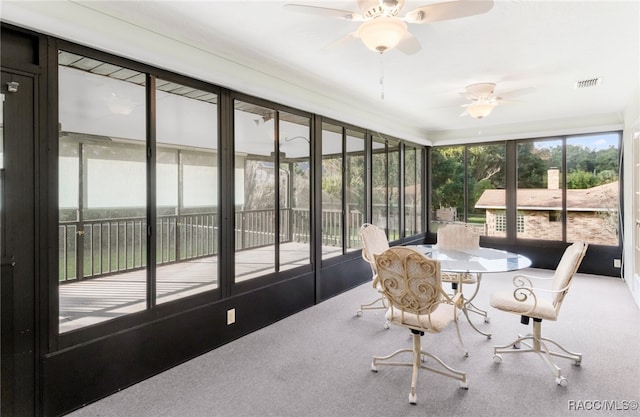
{"points": [[340, 42], [510, 95], [468, 96], [448, 10], [323, 11], [409, 44]]}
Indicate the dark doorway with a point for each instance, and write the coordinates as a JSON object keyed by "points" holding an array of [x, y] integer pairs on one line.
{"points": [[17, 245]]}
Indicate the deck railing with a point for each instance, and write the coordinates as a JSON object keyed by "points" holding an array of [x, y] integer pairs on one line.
{"points": [[108, 246]]}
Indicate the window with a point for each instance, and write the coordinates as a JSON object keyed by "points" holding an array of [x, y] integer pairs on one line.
{"points": [[295, 190], [394, 190], [539, 183], [555, 216], [520, 223], [255, 188], [447, 185], [379, 183], [579, 202], [272, 190], [355, 187], [332, 198], [500, 222], [499, 218], [186, 191], [102, 191], [385, 170], [485, 186], [593, 188], [412, 190]]}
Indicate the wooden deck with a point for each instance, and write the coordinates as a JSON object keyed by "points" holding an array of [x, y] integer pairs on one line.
{"points": [[92, 301]]}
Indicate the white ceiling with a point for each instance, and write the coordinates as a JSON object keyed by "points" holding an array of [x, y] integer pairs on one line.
{"points": [[262, 48]]}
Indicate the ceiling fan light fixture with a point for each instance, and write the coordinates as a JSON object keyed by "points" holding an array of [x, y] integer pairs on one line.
{"points": [[480, 109], [382, 33]]}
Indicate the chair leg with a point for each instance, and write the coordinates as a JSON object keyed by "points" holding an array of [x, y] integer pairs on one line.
{"points": [[464, 348], [474, 309], [373, 306], [417, 355], [416, 366], [469, 307], [539, 347]]}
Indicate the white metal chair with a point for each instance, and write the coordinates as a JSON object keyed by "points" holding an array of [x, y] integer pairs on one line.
{"points": [[460, 236], [374, 242], [537, 303], [412, 287]]}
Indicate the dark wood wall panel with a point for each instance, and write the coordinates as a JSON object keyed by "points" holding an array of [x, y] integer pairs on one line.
{"points": [[19, 48], [87, 372], [597, 261], [343, 276]]}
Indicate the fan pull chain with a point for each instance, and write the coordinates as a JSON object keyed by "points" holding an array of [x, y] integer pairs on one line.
{"points": [[381, 78]]}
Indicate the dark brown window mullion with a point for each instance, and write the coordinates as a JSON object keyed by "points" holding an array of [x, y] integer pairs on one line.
{"points": [[563, 185], [151, 189], [345, 234], [276, 189], [401, 196]]}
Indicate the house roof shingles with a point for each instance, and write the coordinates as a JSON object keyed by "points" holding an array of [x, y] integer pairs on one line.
{"points": [[602, 197]]}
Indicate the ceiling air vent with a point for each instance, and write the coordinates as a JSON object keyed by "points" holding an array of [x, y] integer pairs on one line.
{"points": [[591, 82]]}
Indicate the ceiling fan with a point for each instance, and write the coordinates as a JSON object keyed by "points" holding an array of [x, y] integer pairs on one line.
{"points": [[483, 100], [383, 27]]}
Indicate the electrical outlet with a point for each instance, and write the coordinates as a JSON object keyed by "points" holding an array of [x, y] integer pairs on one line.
{"points": [[617, 263], [231, 316]]}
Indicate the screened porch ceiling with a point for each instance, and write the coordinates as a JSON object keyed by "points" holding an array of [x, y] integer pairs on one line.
{"points": [[262, 49], [295, 144]]}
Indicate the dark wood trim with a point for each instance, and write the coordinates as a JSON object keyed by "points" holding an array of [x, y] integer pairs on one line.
{"points": [[401, 184], [316, 203], [226, 265], [511, 184], [150, 121]]}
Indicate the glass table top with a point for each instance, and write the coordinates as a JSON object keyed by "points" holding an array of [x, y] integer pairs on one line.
{"points": [[478, 260]]}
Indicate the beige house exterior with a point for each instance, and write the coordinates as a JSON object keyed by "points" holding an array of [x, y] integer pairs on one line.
{"points": [[592, 214]]}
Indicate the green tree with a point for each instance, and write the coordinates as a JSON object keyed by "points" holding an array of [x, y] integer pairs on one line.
{"points": [[582, 179], [448, 177], [533, 164], [607, 160]]}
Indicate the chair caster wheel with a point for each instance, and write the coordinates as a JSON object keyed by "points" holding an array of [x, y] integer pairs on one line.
{"points": [[359, 313], [412, 399], [466, 354], [489, 336], [487, 319], [577, 363], [562, 381], [516, 345], [464, 385], [386, 326], [374, 368], [497, 358]]}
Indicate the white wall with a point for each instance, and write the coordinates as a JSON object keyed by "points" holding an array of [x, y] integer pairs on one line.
{"points": [[631, 128]]}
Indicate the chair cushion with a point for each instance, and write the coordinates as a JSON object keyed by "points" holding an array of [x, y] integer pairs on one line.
{"points": [[432, 323], [504, 301]]}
